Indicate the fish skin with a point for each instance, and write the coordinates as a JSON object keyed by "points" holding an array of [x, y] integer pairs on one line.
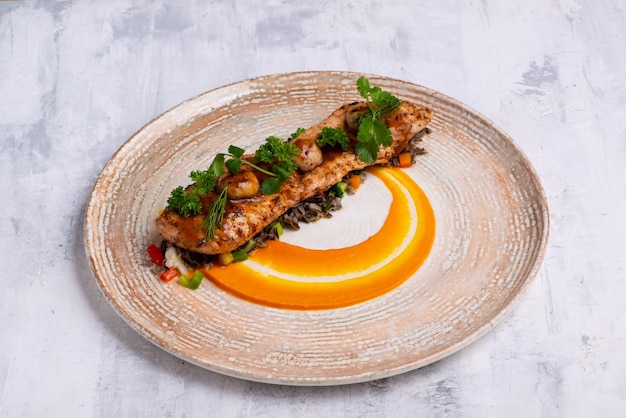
{"points": [[243, 219]]}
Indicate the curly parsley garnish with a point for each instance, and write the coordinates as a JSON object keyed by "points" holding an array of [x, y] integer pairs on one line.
{"points": [[297, 133], [373, 133], [187, 201], [333, 137]]}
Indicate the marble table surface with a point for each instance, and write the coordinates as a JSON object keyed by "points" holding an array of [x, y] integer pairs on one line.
{"points": [[78, 78]]}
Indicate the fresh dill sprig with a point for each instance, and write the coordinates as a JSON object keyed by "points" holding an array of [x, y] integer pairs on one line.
{"points": [[214, 218]]}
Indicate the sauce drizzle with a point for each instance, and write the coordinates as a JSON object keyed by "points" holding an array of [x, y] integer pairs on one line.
{"points": [[288, 276]]}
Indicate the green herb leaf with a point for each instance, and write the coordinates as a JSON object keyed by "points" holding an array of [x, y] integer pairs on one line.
{"points": [[217, 166], [381, 134], [282, 170], [187, 203], [373, 133], [333, 137], [235, 151], [271, 185], [275, 150], [205, 180], [297, 133], [281, 156], [384, 100], [366, 151], [214, 218], [233, 165], [363, 86]]}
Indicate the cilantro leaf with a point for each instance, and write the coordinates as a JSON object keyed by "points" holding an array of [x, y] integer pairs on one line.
{"points": [[384, 100], [333, 137], [363, 86], [271, 185], [366, 130], [236, 151], [217, 166], [373, 133], [282, 171], [233, 165], [381, 134], [367, 148]]}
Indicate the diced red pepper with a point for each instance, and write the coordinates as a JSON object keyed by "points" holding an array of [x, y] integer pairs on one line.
{"points": [[169, 274], [155, 254]]}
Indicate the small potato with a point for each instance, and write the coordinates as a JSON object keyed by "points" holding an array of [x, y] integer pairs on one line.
{"points": [[242, 185], [310, 155]]}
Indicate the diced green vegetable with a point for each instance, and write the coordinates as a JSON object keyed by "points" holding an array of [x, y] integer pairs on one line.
{"points": [[249, 246], [278, 227], [192, 283], [339, 189], [239, 255]]}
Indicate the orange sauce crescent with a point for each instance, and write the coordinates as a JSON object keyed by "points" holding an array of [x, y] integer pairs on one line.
{"points": [[294, 277]]}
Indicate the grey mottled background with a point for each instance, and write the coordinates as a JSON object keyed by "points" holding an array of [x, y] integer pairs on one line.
{"points": [[77, 78]]}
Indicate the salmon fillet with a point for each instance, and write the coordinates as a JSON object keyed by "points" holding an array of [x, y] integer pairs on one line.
{"points": [[243, 219]]}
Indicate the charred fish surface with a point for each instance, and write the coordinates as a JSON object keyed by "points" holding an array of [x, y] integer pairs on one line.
{"points": [[245, 218]]}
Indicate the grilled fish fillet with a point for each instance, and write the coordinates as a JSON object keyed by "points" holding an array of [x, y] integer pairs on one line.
{"points": [[243, 219]]}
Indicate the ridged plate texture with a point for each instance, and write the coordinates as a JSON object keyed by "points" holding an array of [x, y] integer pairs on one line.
{"points": [[492, 229]]}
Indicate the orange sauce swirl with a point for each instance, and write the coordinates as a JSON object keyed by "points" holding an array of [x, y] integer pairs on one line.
{"points": [[292, 277]]}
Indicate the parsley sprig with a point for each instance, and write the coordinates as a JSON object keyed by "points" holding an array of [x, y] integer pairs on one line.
{"points": [[187, 201], [373, 133], [333, 137]]}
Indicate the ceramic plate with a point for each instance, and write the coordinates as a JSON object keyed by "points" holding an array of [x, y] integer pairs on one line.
{"points": [[492, 228]]}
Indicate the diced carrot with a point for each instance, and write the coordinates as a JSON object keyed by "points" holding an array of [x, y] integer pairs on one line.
{"points": [[404, 160], [355, 181]]}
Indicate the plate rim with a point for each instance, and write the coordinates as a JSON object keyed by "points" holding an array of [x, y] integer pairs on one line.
{"points": [[367, 375]]}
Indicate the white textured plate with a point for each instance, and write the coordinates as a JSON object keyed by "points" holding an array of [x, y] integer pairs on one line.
{"points": [[492, 228]]}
